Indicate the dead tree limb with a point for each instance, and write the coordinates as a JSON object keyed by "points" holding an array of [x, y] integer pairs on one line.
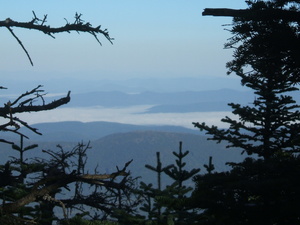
{"points": [[42, 187], [249, 14], [26, 103], [8, 109], [78, 26], [39, 24]]}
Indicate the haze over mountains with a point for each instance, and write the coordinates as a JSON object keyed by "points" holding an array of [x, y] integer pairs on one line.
{"points": [[115, 144], [176, 95], [126, 85], [133, 119], [203, 94]]}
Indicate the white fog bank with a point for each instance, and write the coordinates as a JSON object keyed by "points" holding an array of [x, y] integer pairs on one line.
{"points": [[129, 115]]}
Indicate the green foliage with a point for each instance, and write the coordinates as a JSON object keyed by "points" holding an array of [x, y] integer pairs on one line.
{"points": [[178, 173], [253, 192], [266, 58], [265, 189], [210, 167], [79, 220], [169, 205], [158, 169], [22, 178]]}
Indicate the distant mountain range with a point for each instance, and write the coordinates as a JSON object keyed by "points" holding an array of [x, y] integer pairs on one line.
{"points": [[114, 144], [141, 146], [74, 131], [187, 98], [165, 95], [126, 85], [171, 102]]}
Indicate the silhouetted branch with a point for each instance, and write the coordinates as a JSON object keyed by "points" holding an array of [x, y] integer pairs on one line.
{"points": [[42, 187], [34, 91], [26, 103], [39, 24], [20, 43], [35, 108], [249, 14]]}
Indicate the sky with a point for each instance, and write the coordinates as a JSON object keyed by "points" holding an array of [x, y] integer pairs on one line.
{"points": [[152, 39], [168, 38]]}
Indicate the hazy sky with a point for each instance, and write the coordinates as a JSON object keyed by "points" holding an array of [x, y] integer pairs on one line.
{"points": [[154, 38]]}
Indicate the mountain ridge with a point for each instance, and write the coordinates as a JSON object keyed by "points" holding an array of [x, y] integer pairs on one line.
{"points": [[77, 131], [140, 145]]}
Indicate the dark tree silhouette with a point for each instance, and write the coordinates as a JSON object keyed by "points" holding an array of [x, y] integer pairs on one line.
{"points": [[169, 204], [264, 189], [268, 63], [29, 186]]}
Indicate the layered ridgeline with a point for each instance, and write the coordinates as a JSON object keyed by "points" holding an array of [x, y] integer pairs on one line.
{"points": [[114, 144]]}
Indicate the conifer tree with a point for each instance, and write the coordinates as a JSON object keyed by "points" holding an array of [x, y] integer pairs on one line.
{"points": [[266, 58], [210, 167], [175, 196], [149, 192], [15, 174], [169, 204], [264, 189]]}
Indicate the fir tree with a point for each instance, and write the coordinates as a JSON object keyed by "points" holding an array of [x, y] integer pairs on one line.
{"points": [[210, 167], [169, 204], [176, 196], [151, 207], [264, 190], [267, 62]]}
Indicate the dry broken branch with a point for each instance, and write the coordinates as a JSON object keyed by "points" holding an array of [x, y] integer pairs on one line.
{"points": [[42, 187], [34, 108], [26, 103], [39, 24], [249, 14]]}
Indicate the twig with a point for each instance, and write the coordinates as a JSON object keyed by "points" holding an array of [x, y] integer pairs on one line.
{"points": [[15, 36], [39, 24]]}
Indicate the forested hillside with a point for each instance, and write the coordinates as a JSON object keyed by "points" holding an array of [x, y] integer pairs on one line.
{"points": [[141, 145]]}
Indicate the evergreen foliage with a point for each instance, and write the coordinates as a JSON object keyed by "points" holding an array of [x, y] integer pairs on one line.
{"points": [[210, 167], [22, 177], [267, 62], [263, 189], [170, 204], [152, 207], [253, 192]]}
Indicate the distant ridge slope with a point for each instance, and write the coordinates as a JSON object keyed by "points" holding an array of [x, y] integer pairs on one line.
{"points": [[74, 131], [141, 146], [115, 149]]}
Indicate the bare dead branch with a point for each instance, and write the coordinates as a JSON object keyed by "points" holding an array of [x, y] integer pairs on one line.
{"points": [[39, 24], [36, 108], [25, 103], [20, 43], [35, 130], [249, 14], [33, 91], [42, 187], [78, 26]]}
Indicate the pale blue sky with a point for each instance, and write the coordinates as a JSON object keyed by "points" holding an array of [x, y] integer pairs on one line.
{"points": [[154, 38]]}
